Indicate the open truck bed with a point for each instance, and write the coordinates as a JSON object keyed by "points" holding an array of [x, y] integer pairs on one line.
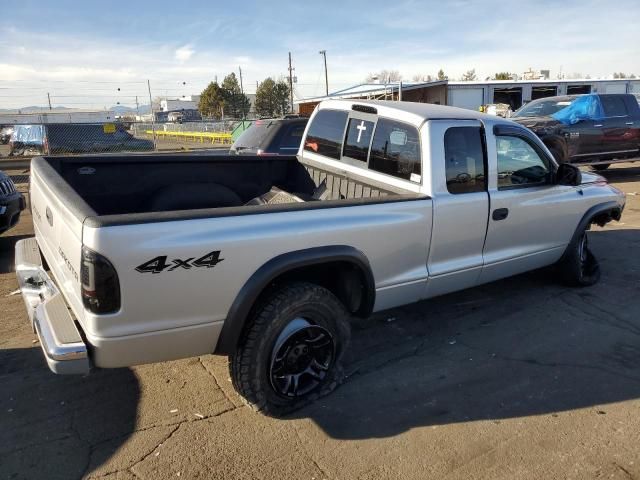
{"points": [[109, 190]]}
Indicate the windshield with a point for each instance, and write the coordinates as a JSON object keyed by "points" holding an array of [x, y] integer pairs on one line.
{"points": [[256, 135], [542, 108]]}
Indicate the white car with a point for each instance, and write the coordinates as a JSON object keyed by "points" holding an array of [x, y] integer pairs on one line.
{"points": [[265, 259]]}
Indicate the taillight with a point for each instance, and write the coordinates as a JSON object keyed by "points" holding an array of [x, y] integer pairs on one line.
{"points": [[100, 285]]}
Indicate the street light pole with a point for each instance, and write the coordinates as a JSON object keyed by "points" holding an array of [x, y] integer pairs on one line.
{"points": [[291, 82], [326, 74]]}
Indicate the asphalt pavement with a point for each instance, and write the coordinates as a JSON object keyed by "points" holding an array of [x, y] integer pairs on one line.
{"points": [[522, 378]]}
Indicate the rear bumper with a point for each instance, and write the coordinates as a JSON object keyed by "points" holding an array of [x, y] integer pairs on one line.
{"points": [[61, 342]]}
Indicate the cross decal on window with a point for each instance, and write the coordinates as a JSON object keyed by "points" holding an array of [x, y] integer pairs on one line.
{"points": [[361, 128]]}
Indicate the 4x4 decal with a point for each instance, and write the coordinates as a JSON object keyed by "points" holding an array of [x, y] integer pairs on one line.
{"points": [[159, 264]]}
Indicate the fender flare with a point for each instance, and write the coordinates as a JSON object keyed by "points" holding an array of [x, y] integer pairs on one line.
{"points": [[251, 290], [556, 141], [612, 207]]}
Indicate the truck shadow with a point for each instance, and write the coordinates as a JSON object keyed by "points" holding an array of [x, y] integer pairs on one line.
{"points": [[626, 174], [60, 426], [7, 250], [519, 347]]}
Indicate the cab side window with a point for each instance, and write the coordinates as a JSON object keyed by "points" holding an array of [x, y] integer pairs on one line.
{"points": [[465, 160], [395, 150], [326, 133], [519, 163], [613, 106]]}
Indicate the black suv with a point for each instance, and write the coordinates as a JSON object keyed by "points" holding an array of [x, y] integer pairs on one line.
{"points": [[281, 136], [11, 203]]}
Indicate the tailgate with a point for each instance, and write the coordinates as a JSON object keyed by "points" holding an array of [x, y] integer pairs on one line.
{"points": [[58, 230]]}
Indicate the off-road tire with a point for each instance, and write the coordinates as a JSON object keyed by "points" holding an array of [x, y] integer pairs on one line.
{"points": [[249, 366], [578, 266]]}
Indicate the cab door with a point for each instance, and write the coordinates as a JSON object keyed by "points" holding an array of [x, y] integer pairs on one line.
{"points": [[460, 204], [531, 218], [617, 125]]}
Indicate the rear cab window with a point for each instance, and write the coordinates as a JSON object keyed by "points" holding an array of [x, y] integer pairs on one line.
{"points": [[395, 150], [357, 141], [326, 132], [379, 144]]}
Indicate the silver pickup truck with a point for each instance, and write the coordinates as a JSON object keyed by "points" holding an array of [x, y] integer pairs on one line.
{"points": [[142, 258]]}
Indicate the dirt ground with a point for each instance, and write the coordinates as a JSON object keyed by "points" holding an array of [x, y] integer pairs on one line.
{"points": [[523, 378]]}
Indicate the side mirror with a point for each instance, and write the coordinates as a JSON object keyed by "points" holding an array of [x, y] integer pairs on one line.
{"points": [[568, 174]]}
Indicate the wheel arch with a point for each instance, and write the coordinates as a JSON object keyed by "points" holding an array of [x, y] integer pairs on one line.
{"points": [[599, 214], [342, 269], [557, 143]]}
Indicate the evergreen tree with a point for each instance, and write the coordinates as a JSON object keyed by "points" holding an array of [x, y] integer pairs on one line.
{"points": [[211, 101], [236, 104]]}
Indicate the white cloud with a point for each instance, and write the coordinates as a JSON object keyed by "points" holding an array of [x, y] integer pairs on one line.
{"points": [[184, 53]]}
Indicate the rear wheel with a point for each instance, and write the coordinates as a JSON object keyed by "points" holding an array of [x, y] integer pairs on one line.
{"points": [[601, 166], [291, 351], [579, 267]]}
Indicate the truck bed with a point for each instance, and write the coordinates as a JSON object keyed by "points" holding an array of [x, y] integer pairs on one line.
{"points": [[110, 190]]}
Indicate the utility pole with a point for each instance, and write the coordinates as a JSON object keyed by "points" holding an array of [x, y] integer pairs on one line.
{"points": [[137, 106], [291, 82], [326, 74], [242, 92], [49, 99], [153, 117]]}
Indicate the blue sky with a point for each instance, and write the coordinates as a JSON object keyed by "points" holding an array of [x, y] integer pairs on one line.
{"points": [[81, 52]]}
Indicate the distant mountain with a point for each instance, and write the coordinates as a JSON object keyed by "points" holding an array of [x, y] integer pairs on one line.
{"points": [[34, 108], [117, 109], [122, 110]]}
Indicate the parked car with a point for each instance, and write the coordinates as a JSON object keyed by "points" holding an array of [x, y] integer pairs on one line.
{"points": [[595, 129], [265, 259], [56, 139], [5, 134], [11, 203], [271, 137]]}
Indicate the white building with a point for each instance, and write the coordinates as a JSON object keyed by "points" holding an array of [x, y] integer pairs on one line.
{"points": [[472, 95], [188, 102]]}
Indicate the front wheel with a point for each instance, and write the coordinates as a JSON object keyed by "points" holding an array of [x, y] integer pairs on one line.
{"points": [[579, 267], [290, 352], [601, 166]]}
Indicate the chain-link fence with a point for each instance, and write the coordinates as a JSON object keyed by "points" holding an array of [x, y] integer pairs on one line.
{"points": [[35, 135]]}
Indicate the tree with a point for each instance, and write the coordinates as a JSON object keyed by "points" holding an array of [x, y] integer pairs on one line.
{"points": [[441, 75], [469, 76], [503, 76], [384, 76], [156, 103], [272, 98], [211, 101], [236, 104], [422, 78]]}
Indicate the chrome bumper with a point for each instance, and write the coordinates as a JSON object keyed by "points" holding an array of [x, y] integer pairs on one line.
{"points": [[62, 345]]}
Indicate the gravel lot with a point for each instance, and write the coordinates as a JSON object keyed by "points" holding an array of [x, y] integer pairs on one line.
{"points": [[522, 378]]}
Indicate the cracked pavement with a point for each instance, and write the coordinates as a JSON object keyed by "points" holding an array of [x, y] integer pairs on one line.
{"points": [[522, 378]]}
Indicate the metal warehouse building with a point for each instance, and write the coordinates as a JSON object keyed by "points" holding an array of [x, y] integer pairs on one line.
{"points": [[472, 95]]}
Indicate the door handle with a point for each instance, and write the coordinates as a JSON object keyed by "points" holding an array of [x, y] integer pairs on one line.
{"points": [[629, 123], [599, 125], [500, 214]]}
